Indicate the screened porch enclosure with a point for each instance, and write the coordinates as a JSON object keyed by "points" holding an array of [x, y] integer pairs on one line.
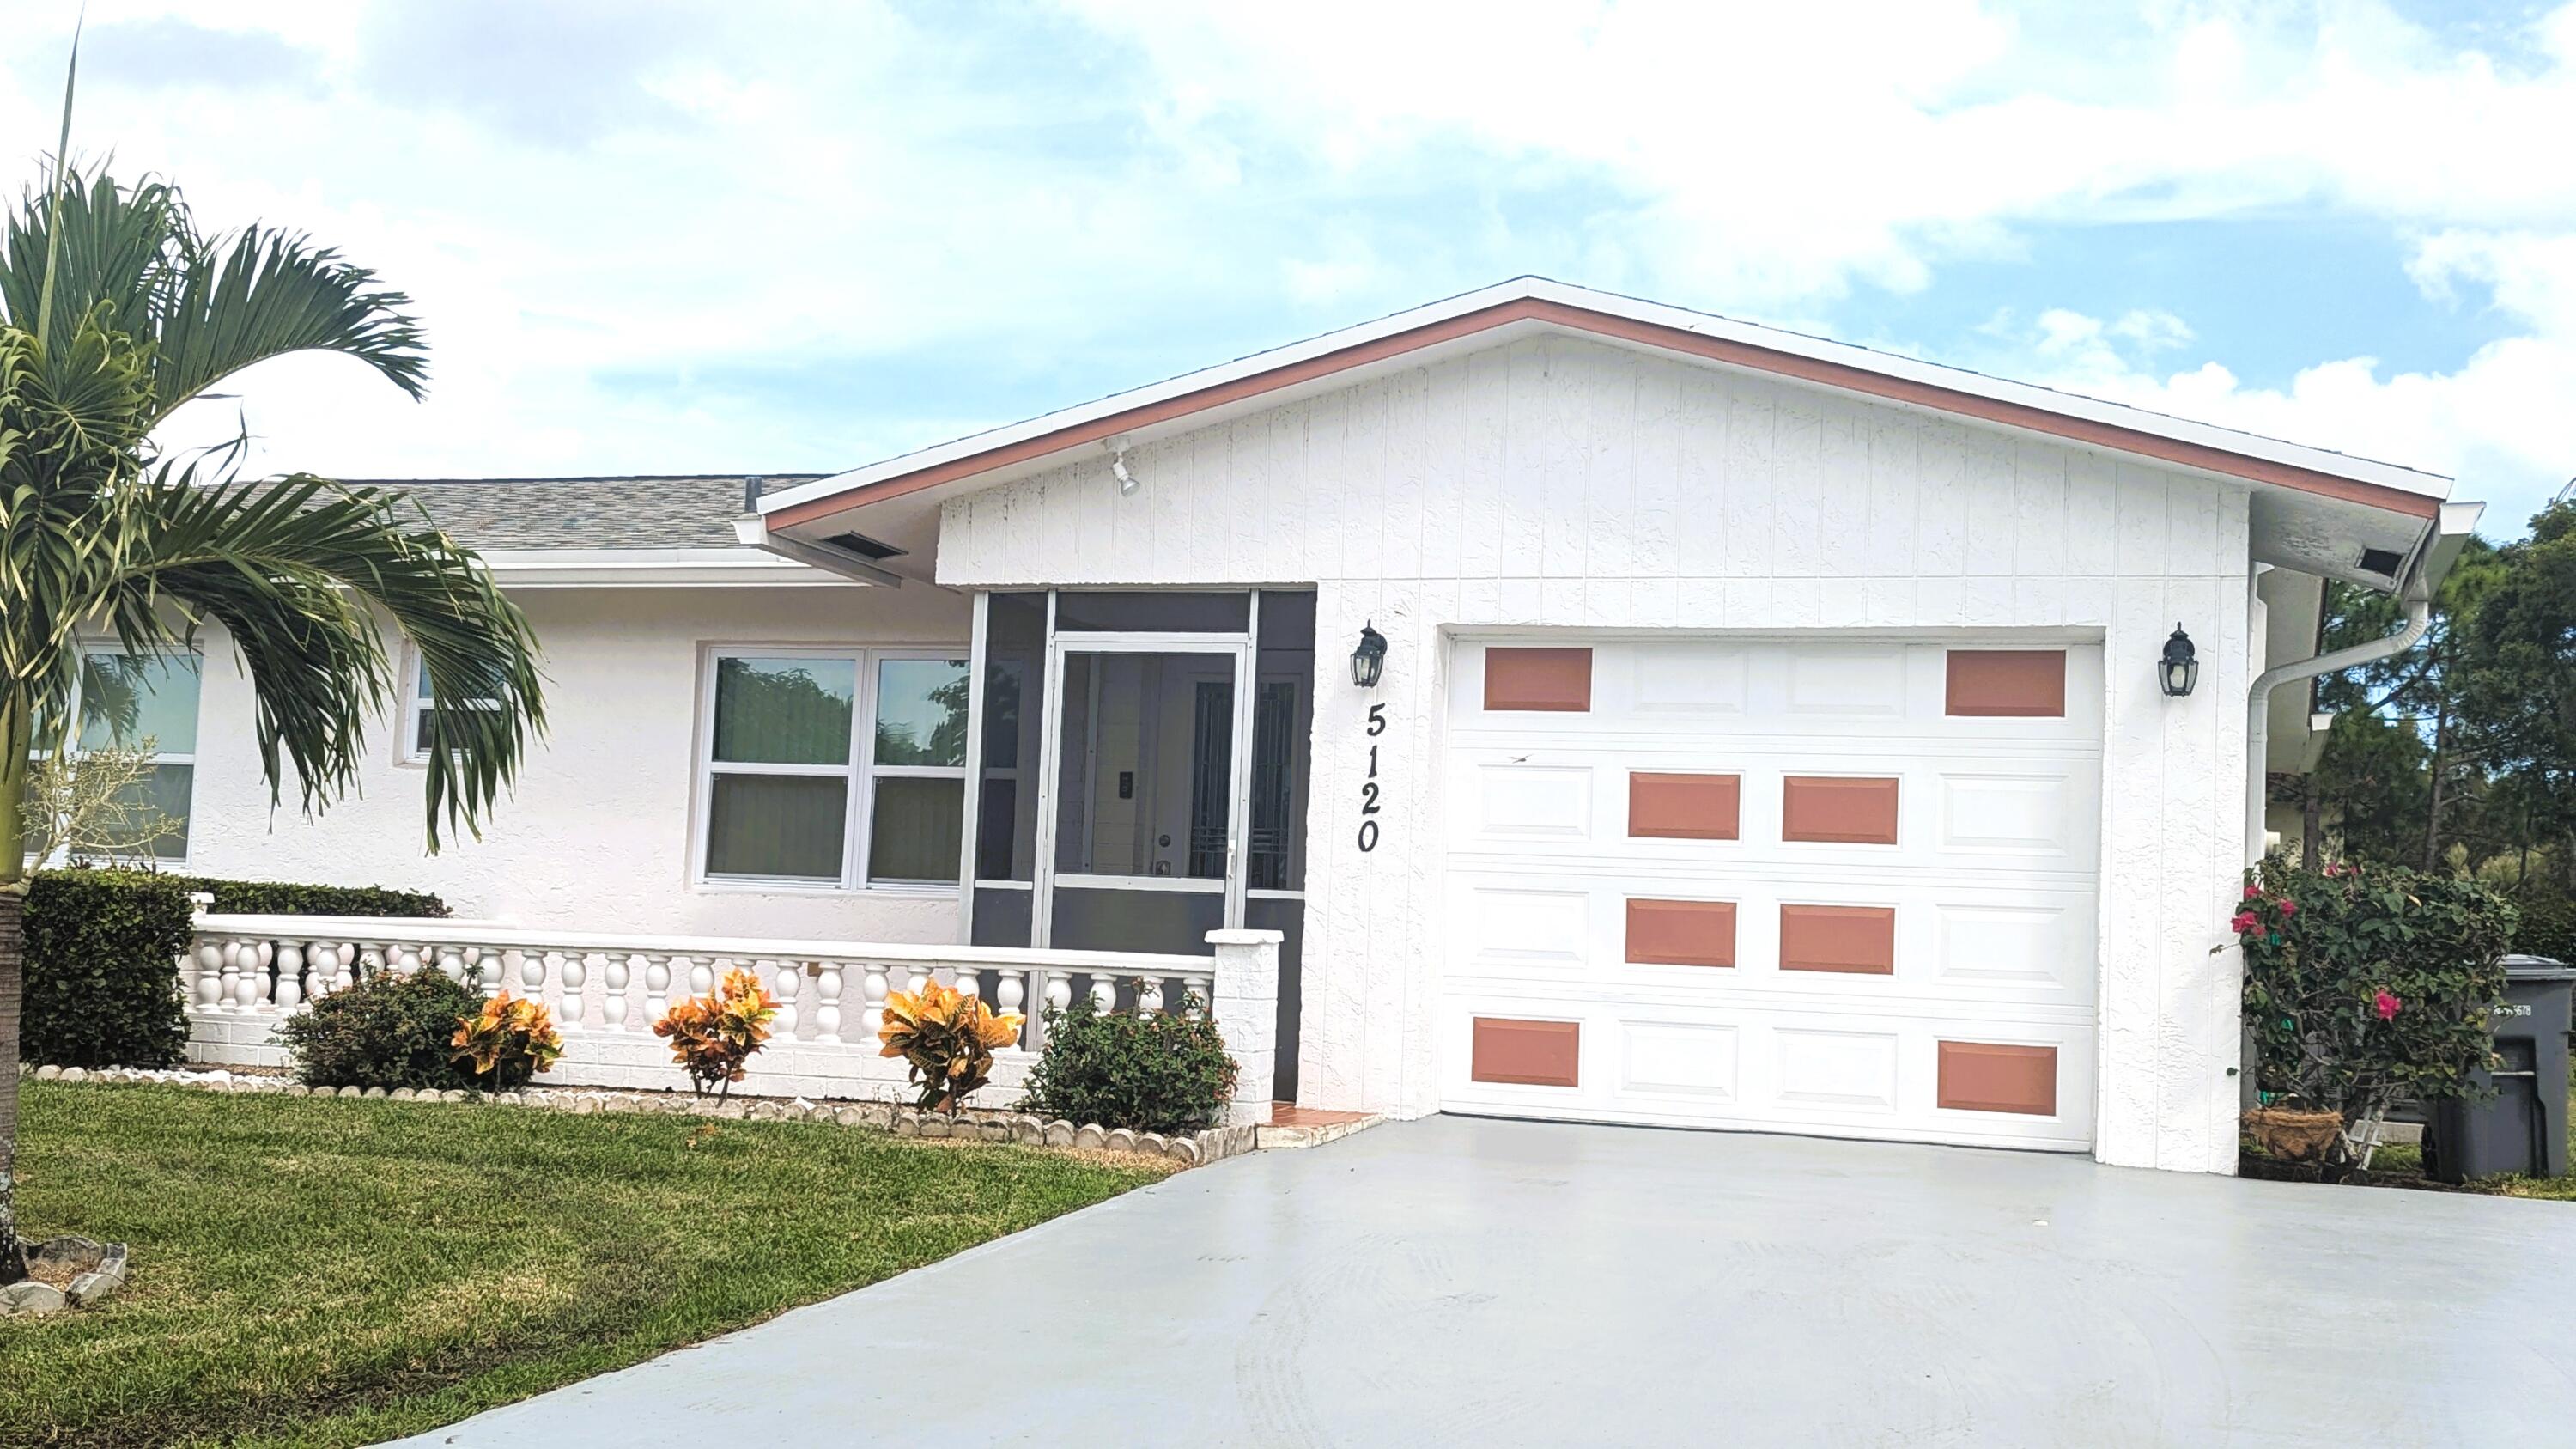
{"points": [[1141, 781]]}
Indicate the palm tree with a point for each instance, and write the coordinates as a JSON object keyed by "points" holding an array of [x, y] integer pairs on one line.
{"points": [[115, 311]]}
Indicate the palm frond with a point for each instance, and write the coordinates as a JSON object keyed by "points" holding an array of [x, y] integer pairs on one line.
{"points": [[266, 293], [91, 241], [207, 307], [296, 573]]}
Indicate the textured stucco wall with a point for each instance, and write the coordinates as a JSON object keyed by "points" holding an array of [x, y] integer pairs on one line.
{"points": [[599, 834], [1564, 484]]}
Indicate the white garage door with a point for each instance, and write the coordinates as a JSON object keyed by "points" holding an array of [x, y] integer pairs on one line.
{"points": [[1839, 888]]}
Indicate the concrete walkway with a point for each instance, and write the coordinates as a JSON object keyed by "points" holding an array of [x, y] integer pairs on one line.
{"points": [[1455, 1281]]}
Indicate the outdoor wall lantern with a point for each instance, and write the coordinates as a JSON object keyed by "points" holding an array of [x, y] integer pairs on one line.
{"points": [[1369, 660], [2181, 664]]}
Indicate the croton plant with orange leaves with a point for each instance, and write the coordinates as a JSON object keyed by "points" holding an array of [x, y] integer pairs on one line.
{"points": [[713, 1036], [948, 1036], [510, 1040]]}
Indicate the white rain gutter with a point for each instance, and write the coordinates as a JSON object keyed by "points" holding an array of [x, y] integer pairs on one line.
{"points": [[2432, 559], [2258, 704]]}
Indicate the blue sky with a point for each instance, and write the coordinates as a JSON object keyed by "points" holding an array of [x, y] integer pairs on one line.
{"points": [[771, 237]]}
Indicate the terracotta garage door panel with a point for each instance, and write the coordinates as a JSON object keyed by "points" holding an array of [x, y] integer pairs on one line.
{"points": [[1854, 893], [1554, 680], [1684, 807]]}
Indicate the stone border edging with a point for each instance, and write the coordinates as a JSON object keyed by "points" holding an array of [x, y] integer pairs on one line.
{"points": [[977, 1123]]}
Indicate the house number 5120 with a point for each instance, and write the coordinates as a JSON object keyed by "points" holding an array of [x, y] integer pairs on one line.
{"points": [[1369, 787]]}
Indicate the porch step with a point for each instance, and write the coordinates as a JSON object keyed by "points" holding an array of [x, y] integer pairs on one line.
{"points": [[1294, 1126]]}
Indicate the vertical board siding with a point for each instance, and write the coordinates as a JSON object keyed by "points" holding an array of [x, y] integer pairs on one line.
{"points": [[1464, 495]]}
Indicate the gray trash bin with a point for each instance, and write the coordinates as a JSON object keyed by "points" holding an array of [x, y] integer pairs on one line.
{"points": [[2525, 1128]]}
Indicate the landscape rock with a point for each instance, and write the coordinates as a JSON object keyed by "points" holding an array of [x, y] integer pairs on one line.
{"points": [[1059, 1133], [1025, 1128], [1183, 1150], [1120, 1139], [70, 1253], [1154, 1144], [907, 1125], [935, 1124], [75, 1074], [90, 1288], [1091, 1135], [49, 1073], [31, 1298]]}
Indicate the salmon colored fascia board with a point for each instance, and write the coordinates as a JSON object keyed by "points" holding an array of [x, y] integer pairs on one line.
{"points": [[1675, 339]]}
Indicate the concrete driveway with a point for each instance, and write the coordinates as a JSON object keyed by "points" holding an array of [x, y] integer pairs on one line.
{"points": [[1456, 1281]]}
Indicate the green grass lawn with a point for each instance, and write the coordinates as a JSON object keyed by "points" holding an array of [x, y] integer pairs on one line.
{"points": [[325, 1272]]}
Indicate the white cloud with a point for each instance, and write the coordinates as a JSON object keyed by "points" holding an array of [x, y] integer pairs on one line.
{"points": [[706, 237], [2501, 423]]}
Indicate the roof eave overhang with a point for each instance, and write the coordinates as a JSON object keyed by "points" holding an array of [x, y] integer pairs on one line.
{"points": [[650, 568]]}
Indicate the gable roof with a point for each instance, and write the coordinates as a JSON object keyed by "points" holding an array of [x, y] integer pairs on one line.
{"points": [[1534, 304], [502, 515]]}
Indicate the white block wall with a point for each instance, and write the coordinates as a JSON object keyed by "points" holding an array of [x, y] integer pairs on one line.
{"points": [[1556, 483], [599, 834]]}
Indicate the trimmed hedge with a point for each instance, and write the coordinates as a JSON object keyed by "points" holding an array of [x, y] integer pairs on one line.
{"points": [[102, 986], [2548, 929], [274, 898]]}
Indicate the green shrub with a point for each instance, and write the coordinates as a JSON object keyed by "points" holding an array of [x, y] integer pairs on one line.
{"points": [[102, 977], [2364, 987], [385, 1031], [2548, 928], [102, 946], [283, 898], [1162, 1072]]}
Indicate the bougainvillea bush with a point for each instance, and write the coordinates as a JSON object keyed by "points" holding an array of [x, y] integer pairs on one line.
{"points": [[2364, 987], [713, 1036]]}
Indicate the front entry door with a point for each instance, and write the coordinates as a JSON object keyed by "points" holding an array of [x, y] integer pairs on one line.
{"points": [[1141, 808]]}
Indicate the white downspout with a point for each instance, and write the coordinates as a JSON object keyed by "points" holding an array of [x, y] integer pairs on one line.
{"points": [[2258, 707]]}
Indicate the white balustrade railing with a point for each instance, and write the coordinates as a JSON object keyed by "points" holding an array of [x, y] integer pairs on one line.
{"points": [[606, 991]]}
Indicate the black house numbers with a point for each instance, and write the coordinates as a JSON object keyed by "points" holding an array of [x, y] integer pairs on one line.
{"points": [[1369, 788]]}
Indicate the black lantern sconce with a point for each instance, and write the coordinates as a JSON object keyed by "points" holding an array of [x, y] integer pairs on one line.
{"points": [[2180, 667], [1369, 660]]}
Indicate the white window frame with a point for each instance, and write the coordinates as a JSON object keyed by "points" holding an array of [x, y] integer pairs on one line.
{"points": [[417, 697], [860, 770], [89, 647]]}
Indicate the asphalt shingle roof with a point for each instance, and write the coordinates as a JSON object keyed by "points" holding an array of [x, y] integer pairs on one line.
{"points": [[494, 514]]}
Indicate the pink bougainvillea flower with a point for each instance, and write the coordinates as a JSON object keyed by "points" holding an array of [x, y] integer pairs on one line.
{"points": [[2243, 922], [2252, 891], [2289, 907], [2387, 1005]]}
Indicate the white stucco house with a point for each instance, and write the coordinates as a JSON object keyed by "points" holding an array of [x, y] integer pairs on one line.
{"points": [[1745, 730]]}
